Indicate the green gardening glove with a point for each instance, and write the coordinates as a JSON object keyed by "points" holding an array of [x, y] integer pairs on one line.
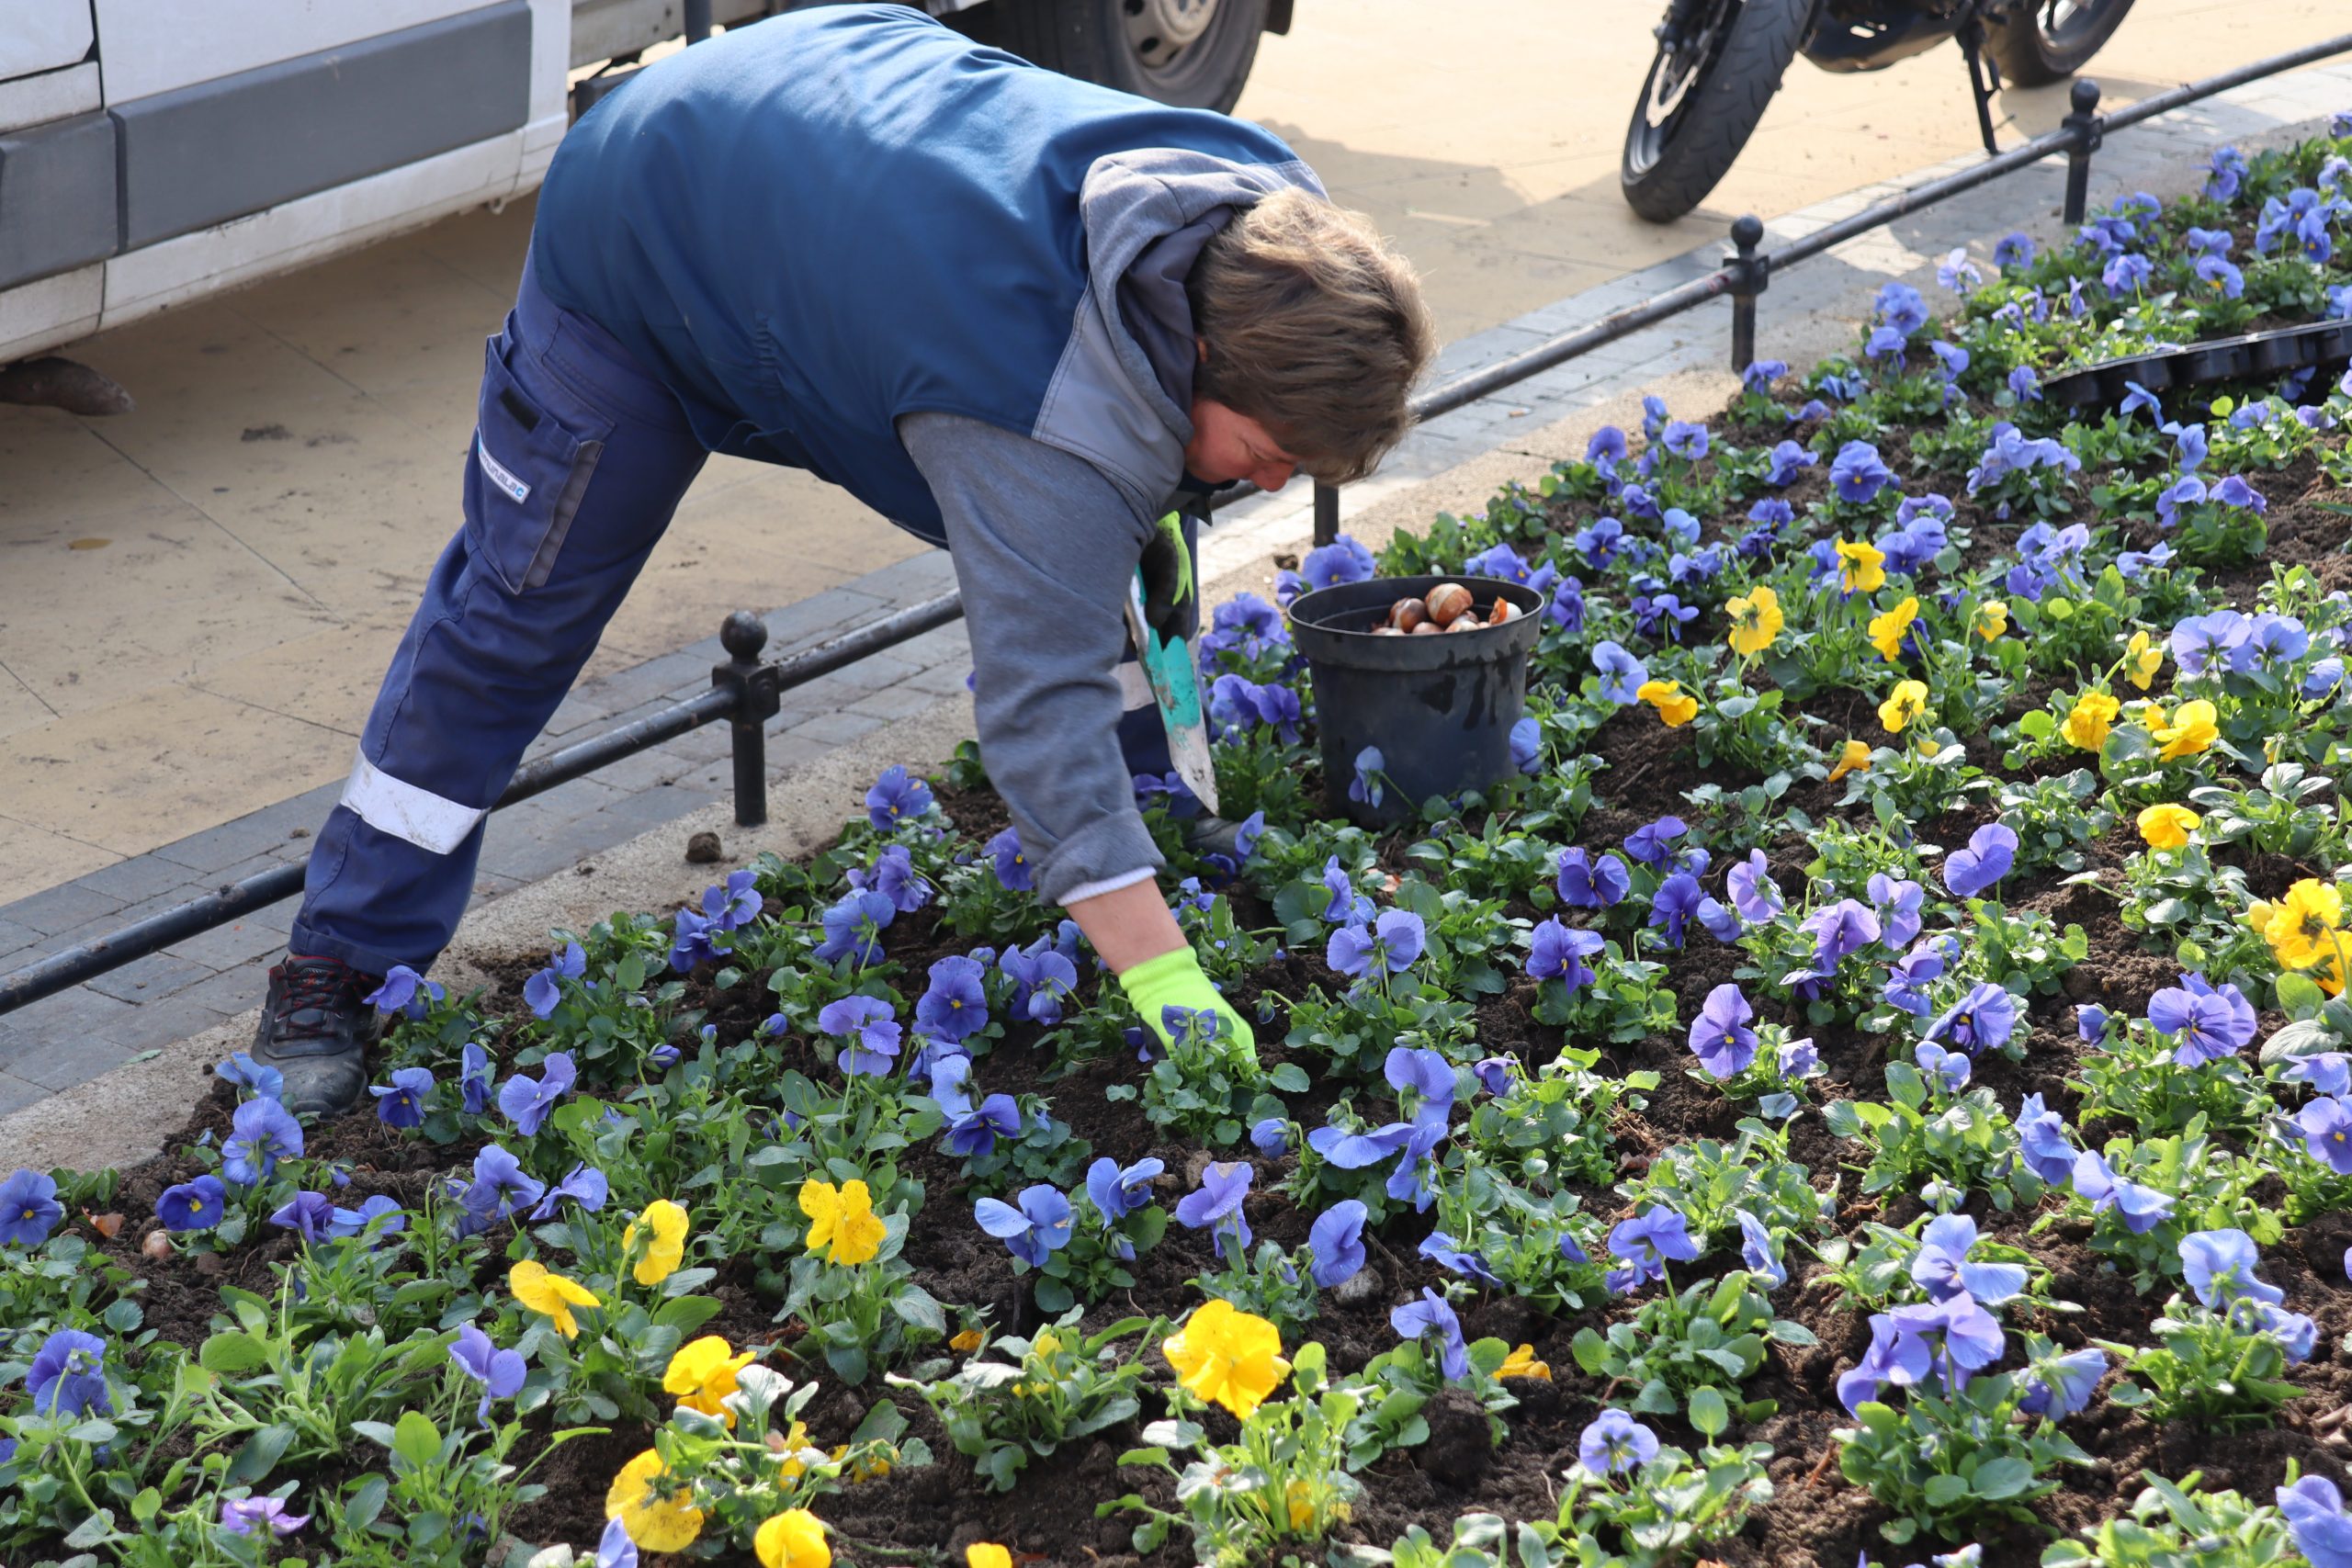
{"points": [[1166, 568], [1174, 980]]}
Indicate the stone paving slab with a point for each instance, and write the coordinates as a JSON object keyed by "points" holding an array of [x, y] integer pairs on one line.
{"points": [[72, 1037], [17, 1094]]}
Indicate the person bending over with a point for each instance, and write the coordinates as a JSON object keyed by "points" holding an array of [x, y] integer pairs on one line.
{"points": [[1020, 316]]}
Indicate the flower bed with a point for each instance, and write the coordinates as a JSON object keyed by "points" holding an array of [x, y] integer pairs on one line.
{"points": [[1875, 1084]]}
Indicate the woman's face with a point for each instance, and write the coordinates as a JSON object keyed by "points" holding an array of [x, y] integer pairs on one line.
{"points": [[1229, 445]]}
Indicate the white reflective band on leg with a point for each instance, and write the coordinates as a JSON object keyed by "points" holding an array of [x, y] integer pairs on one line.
{"points": [[406, 812], [1135, 686]]}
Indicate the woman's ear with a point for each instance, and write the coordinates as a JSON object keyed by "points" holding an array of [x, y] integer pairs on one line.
{"points": [[1201, 345]]}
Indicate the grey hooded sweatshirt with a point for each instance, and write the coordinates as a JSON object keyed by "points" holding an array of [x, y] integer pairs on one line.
{"points": [[1045, 529]]}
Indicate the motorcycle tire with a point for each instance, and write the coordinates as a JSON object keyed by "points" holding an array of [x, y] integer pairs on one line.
{"points": [[1675, 152], [1198, 56], [2035, 45]]}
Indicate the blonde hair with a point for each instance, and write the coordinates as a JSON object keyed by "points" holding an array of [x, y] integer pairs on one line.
{"points": [[1315, 328]]}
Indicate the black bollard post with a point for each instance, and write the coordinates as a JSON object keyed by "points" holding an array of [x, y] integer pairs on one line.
{"points": [[757, 699], [1327, 513], [2087, 127], [1752, 272]]}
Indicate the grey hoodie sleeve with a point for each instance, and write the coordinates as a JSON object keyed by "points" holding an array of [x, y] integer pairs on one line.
{"points": [[1044, 547]]}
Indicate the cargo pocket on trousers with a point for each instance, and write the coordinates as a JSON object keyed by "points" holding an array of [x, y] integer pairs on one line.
{"points": [[525, 479]]}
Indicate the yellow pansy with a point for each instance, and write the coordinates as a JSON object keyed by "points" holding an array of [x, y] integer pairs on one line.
{"points": [[662, 1227], [2192, 730], [657, 1520], [789, 1446], [1852, 757], [2167, 827], [2142, 659], [1908, 702], [966, 1342], [1755, 620], [1522, 1363], [1887, 630], [1226, 1357], [550, 1295], [702, 1375], [1300, 1498], [1674, 705], [986, 1554], [2303, 926], [844, 1227], [793, 1539], [1991, 620], [2086, 723], [1862, 567], [875, 1466]]}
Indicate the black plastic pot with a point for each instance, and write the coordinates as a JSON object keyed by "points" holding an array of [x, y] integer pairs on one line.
{"points": [[1438, 708]]}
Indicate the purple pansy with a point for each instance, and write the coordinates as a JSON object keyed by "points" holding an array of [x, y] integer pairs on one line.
{"points": [[2143, 1208], [1643, 1244], [972, 1130], [260, 1133], [955, 1006], [873, 1032], [193, 1205], [544, 990], [1584, 882], [1035, 1225], [2209, 1023], [527, 1101], [400, 1104], [1720, 1035], [500, 1372], [1216, 1205], [1433, 1314], [68, 1375], [1991, 851], [1839, 932], [1982, 1020], [1614, 1442], [896, 797], [1557, 952], [1337, 1241], [1753, 892]]}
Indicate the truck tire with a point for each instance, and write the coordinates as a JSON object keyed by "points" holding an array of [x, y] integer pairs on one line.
{"points": [[2049, 41], [1694, 117], [1192, 54]]}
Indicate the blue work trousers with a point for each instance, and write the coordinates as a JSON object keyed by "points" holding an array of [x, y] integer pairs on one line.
{"points": [[579, 460]]}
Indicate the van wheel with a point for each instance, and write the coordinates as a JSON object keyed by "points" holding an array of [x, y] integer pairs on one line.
{"points": [[1192, 54]]}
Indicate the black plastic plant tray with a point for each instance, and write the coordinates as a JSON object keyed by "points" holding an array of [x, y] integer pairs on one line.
{"points": [[2279, 352]]}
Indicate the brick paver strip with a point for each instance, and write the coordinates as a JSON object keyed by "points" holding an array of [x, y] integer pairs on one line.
{"points": [[74, 1036]]}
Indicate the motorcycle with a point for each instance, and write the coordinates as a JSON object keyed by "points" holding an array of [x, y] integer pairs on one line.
{"points": [[1719, 62]]}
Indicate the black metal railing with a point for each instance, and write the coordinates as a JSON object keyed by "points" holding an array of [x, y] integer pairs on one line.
{"points": [[746, 693]]}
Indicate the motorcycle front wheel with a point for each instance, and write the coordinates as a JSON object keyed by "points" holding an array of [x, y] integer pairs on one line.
{"points": [[2049, 41], [1703, 98]]}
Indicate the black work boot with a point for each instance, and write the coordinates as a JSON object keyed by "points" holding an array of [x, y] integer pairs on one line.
{"points": [[315, 1029]]}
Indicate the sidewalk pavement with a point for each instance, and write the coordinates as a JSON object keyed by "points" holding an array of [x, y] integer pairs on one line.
{"points": [[77, 1036]]}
